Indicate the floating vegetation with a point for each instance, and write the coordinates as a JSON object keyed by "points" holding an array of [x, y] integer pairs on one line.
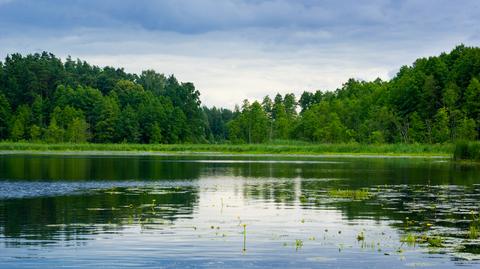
{"points": [[431, 241], [410, 239], [361, 236], [473, 232], [298, 244], [361, 194], [435, 241]]}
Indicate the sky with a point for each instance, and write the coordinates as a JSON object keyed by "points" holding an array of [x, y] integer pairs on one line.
{"points": [[237, 49]]}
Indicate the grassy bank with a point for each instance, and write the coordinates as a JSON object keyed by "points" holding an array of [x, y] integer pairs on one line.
{"points": [[467, 151], [274, 148]]}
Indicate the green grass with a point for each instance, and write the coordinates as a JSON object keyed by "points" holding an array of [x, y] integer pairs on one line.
{"points": [[276, 147], [465, 150]]}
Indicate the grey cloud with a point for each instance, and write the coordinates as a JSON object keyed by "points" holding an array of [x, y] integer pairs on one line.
{"points": [[236, 49]]}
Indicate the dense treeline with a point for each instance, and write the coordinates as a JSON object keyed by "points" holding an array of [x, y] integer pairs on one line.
{"points": [[436, 100], [43, 99]]}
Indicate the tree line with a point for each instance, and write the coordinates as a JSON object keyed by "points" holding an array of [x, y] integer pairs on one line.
{"points": [[45, 99], [435, 100]]}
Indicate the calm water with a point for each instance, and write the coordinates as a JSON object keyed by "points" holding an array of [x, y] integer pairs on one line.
{"points": [[180, 211]]}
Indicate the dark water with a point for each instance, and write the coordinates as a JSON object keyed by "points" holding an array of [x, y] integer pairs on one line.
{"points": [[180, 211]]}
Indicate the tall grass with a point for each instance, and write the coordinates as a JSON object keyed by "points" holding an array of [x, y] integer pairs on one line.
{"points": [[277, 147], [467, 150]]}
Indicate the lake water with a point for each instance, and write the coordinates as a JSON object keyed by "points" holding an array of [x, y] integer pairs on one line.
{"points": [[224, 211]]}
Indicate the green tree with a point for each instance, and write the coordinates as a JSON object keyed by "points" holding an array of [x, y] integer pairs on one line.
{"points": [[77, 131], [251, 125], [21, 123], [417, 129], [290, 105], [156, 134], [152, 81], [35, 133], [441, 130], [38, 116], [451, 95], [467, 130], [108, 112], [472, 101], [321, 124], [256, 123], [282, 124], [5, 116], [54, 134], [128, 128], [129, 93]]}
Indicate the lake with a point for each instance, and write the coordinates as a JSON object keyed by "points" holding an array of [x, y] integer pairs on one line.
{"points": [[144, 211]]}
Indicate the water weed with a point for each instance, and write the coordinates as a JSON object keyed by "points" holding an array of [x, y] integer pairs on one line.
{"points": [[361, 194]]}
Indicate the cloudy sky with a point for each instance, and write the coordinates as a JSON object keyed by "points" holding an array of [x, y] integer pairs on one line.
{"points": [[237, 49]]}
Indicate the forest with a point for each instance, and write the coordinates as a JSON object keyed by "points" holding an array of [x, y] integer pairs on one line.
{"points": [[436, 100]]}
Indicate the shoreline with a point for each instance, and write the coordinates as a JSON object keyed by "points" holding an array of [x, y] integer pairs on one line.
{"points": [[304, 150]]}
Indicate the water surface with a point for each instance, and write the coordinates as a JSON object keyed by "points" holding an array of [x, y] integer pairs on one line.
{"points": [[214, 212]]}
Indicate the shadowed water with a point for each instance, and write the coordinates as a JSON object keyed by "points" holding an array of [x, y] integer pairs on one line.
{"points": [[214, 212]]}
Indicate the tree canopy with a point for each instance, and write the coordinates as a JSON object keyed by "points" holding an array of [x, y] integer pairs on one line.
{"points": [[42, 98]]}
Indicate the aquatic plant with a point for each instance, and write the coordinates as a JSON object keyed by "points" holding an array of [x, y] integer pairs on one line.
{"points": [[361, 194], [467, 150], [435, 241], [361, 236], [284, 147], [473, 232], [244, 237], [409, 239], [408, 222], [298, 244]]}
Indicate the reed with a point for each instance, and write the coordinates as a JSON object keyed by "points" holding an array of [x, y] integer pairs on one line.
{"points": [[279, 147], [467, 150]]}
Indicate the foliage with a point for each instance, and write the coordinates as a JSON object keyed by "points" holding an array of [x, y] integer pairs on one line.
{"points": [[45, 99], [42, 98]]}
